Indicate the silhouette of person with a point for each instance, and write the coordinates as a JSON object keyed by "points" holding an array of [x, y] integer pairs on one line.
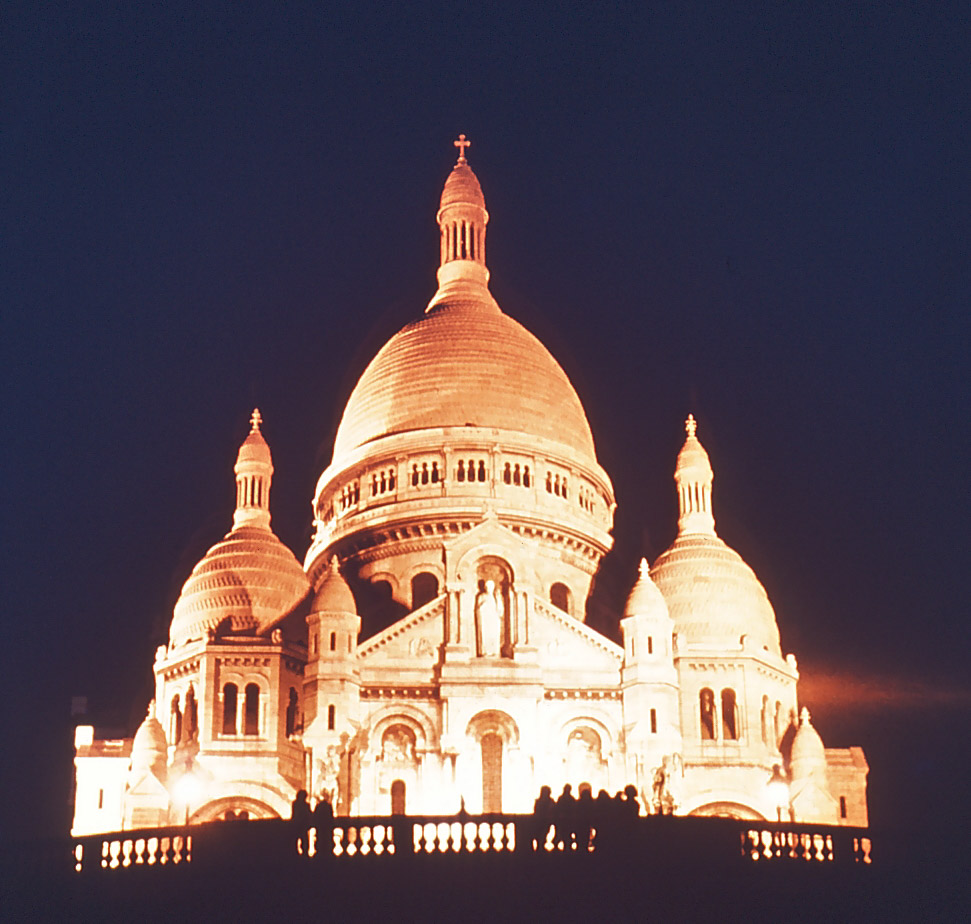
{"points": [[300, 818], [323, 818], [563, 819], [543, 810], [604, 821], [584, 812]]}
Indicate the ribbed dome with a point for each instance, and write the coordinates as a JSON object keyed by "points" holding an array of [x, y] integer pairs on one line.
{"points": [[254, 449], [334, 594], [250, 578], [713, 597], [462, 186], [464, 365]]}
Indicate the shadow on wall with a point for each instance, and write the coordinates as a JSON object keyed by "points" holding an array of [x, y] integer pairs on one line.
{"points": [[376, 606]]}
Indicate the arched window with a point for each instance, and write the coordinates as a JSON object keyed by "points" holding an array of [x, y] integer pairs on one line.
{"points": [[516, 477], [706, 701], [482, 471], [424, 589], [251, 715], [779, 729], [507, 474], [765, 720], [333, 641], [292, 712], [331, 717], [230, 694], [560, 596], [526, 476], [729, 715], [460, 471], [654, 721], [190, 718]]}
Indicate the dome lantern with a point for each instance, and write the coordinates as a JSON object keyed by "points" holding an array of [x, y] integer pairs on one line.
{"points": [[693, 476], [462, 220], [254, 472]]}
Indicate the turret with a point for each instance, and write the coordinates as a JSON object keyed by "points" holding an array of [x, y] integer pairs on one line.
{"points": [[332, 683], [650, 688], [811, 799]]}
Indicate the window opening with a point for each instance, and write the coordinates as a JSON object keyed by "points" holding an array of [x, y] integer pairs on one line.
{"points": [[252, 716], [707, 707], [229, 709]]}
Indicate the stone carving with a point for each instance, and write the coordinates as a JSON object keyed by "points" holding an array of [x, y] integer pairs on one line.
{"points": [[328, 768], [489, 614], [666, 789]]}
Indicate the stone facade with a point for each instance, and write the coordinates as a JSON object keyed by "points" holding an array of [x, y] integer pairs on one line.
{"points": [[431, 652]]}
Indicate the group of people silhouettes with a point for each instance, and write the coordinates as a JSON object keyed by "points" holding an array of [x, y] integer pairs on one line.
{"points": [[321, 817], [584, 822], [569, 823]]}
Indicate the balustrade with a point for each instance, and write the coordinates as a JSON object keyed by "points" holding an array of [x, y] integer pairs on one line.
{"points": [[359, 838]]}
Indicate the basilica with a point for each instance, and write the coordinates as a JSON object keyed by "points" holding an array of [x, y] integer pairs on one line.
{"points": [[431, 652]]}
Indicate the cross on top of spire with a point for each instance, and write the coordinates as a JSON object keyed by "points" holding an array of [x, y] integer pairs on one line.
{"points": [[690, 425], [462, 144], [256, 419]]}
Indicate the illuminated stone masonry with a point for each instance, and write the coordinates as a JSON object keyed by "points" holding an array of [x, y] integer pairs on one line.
{"points": [[431, 653]]}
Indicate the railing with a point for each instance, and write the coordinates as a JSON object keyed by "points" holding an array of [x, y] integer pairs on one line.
{"points": [[719, 841]]}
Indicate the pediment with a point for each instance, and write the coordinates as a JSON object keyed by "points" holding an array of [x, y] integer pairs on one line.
{"points": [[415, 639], [566, 644]]}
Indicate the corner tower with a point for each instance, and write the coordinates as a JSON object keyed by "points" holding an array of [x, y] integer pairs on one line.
{"points": [[463, 417]]}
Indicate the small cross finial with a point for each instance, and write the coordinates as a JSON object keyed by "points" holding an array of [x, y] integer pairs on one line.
{"points": [[643, 569], [256, 419], [462, 144], [690, 425]]}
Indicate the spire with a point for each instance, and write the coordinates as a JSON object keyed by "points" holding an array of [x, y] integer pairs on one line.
{"points": [[462, 220], [693, 476], [254, 472]]}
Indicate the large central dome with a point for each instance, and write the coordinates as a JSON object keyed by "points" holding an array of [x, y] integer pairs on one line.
{"points": [[464, 365]]}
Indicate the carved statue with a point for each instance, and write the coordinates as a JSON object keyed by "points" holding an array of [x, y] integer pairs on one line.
{"points": [[488, 620], [328, 769]]}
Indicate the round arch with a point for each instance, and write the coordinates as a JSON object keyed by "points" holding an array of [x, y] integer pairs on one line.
{"points": [[218, 808], [727, 809], [403, 714], [492, 721], [599, 725]]}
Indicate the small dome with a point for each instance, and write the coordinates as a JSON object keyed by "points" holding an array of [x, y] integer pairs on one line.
{"points": [[149, 750], [645, 599], [334, 595], [254, 447], [249, 580], [713, 597], [462, 186], [808, 755], [693, 463], [463, 366]]}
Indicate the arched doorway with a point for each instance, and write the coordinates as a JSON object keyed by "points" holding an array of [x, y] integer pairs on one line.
{"points": [[491, 745], [398, 797]]}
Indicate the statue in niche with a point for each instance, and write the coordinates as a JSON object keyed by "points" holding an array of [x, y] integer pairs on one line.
{"points": [[489, 619]]}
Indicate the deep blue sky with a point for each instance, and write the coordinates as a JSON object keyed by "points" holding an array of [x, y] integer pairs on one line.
{"points": [[759, 214]]}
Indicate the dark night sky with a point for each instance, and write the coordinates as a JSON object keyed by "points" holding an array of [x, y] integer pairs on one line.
{"points": [[756, 213]]}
